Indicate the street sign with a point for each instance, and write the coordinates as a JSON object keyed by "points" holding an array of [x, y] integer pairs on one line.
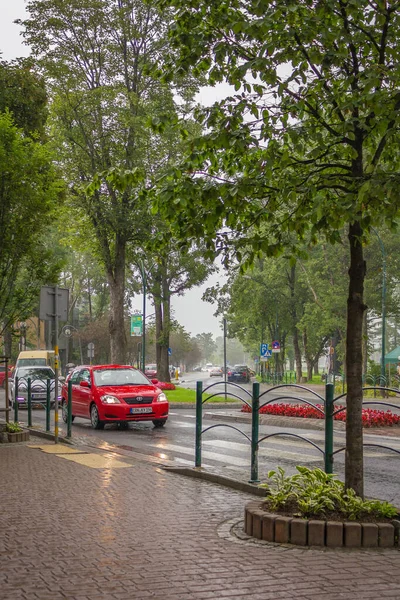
{"points": [[265, 358], [169, 351], [276, 346], [136, 325], [47, 303], [90, 350], [263, 350]]}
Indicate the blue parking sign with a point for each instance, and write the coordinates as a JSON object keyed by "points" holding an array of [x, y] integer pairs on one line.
{"points": [[264, 350]]}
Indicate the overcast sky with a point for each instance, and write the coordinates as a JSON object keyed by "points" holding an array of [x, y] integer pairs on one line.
{"points": [[191, 312]]}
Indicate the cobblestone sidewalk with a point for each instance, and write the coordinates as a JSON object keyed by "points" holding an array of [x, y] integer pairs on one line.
{"points": [[71, 531]]}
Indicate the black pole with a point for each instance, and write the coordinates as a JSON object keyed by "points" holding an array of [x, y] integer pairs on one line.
{"points": [[225, 370]]}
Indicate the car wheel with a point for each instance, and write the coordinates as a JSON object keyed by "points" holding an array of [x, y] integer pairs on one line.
{"points": [[64, 411], [159, 422], [95, 419]]}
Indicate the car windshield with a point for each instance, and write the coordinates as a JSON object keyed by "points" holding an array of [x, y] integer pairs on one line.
{"points": [[37, 373], [104, 377], [150, 368]]}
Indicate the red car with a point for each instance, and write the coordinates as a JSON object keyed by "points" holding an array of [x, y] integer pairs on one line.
{"points": [[114, 394], [3, 374]]}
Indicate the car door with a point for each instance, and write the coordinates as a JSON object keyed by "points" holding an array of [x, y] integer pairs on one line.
{"points": [[85, 392], [75, 391]]}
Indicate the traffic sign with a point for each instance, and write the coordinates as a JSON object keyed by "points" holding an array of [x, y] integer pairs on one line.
{"points": [[169, 351], [264, 349], [136, 325], [276, 346], [90, 350]]}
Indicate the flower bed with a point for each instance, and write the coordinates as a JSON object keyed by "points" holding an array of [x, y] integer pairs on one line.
{"points": [[264, 525], [370, 417], [313, 508], [163, 385]]}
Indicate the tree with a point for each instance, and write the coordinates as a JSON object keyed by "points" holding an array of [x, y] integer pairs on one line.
{"points": [[207, 345], [307, 145], [29, 191], [96, 56], [170, 272]]}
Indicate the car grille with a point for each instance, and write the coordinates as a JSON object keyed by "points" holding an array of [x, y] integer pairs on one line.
{"points": [[139, 400]]}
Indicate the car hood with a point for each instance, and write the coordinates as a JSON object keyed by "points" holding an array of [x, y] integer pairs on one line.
{"points": [[128, 390]]}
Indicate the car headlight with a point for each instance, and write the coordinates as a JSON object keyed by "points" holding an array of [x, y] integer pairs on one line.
{"points": [[107, 399], [161, 397]]}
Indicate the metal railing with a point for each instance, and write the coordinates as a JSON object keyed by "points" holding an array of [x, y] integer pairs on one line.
{"points": [[30, 401], [325, 406]]}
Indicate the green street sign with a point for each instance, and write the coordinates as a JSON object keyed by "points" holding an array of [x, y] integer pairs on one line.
{"points": [[136, 325]]}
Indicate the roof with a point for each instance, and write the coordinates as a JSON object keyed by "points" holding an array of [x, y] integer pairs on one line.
{"points": [[393, 356]]}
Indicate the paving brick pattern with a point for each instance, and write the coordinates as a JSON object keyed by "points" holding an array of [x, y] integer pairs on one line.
{"points": [[71, 532]]}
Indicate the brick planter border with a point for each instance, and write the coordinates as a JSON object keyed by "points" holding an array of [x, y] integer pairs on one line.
{"points": [[269, 527], [19, 436]]}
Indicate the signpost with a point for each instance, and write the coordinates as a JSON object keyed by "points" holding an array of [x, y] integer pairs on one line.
{"points": [[90, 351], [136, 325], [265, 352], [276, 346], [53, 306]]}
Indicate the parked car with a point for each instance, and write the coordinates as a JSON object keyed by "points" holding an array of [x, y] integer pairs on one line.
{"points": [[3, 374], [39, 377], [239, 373], [150, 371], [114, 394], [198, 368], [216, 372]]}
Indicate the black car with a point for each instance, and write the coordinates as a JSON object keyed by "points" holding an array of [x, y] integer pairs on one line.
{"points": [[239, 374]]}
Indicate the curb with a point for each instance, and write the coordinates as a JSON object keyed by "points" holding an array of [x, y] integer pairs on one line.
{"points": [[49, 436], [236, 484], [276, 421], [192, 405]]}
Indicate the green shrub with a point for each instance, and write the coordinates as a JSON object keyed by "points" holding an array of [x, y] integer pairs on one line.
{"points": [[13, 428], [315, 493]]}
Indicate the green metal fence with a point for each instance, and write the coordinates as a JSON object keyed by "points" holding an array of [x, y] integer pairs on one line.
{"points": [[23, 395], [254, 400]]}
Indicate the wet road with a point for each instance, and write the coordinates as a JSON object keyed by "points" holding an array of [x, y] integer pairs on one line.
{"points": [[227, 451]]}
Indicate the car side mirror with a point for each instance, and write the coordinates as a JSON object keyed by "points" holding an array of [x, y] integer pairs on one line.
{"points": [[155, 381], [85, 384]]}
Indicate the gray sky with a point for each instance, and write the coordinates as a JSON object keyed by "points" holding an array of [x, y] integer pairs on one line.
{"points": [[191, 312]]}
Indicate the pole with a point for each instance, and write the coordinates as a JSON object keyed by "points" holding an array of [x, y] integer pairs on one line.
{"points": [[6, 385], [69, 410], [48, 405], [16, 400], [382, 247], [329, 405], [56, 364], [144, 318], [254, 432], [29, 402], [225, 370], [199, 424]]}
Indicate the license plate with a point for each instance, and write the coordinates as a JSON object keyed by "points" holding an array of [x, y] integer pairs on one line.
{"points": [[142, 409], [38, 396]]}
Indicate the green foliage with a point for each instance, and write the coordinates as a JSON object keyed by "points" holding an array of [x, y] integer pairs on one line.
{"points": [[28, 197], [13, 427], [316, 493]]}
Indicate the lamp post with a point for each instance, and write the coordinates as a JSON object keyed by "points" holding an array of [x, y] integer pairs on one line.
{"points": [[382, 247], [67, 330], [276, 317], [144, 282]]}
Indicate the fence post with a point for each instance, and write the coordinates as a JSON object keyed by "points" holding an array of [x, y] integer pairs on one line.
{"points": [[29, 402], [254, 432], [69, 410], [329, 406], [16, 400], [199, 424], [48, 405]]}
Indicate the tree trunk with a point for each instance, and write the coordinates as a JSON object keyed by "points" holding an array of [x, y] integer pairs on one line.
{"points": [[164, 342], [297, 354], [116, 281], [354, 475], [365, 343], [316, 367], [159, 330]]}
